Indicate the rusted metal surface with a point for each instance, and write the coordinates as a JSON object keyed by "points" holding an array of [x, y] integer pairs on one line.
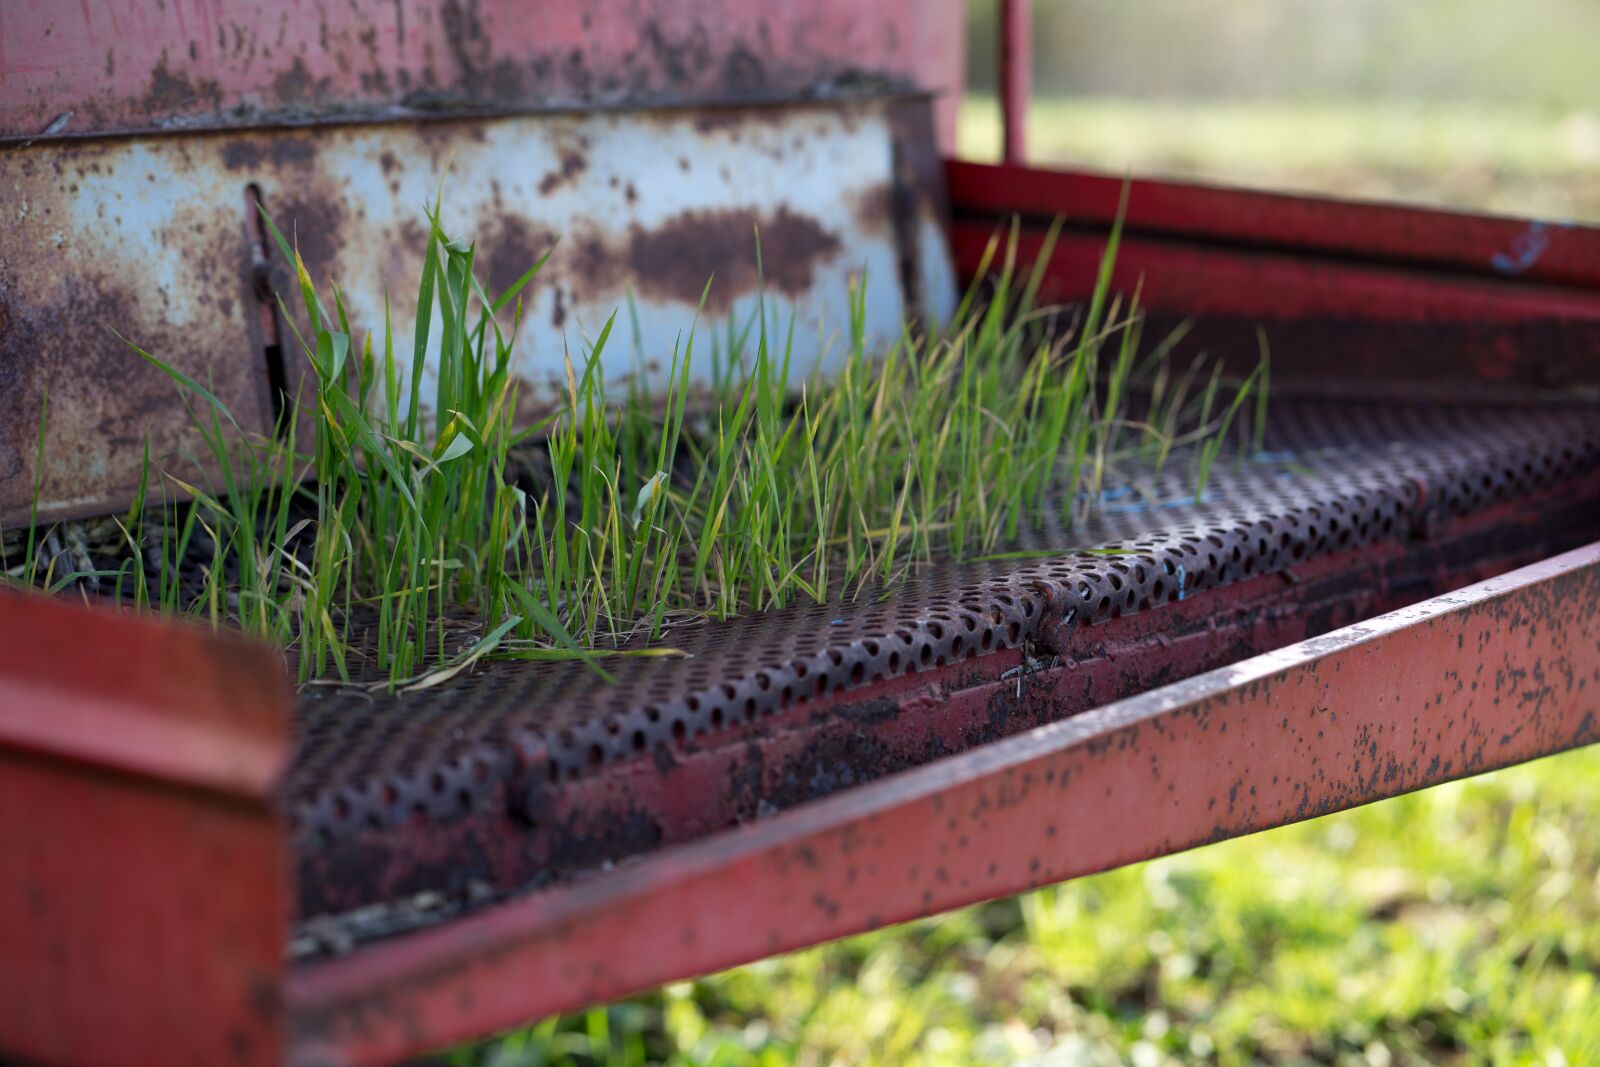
{"points": [[125, 65], [142, 910], [655, 203], [539, 771], [156, 239], [1489, 675], [126, 237], [1352, 297]]}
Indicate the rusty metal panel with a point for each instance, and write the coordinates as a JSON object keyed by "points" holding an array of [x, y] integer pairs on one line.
{"points": [[145, 887], [145, 238], [653, 203], [155, 239], [1487, 676], [123, 65]]}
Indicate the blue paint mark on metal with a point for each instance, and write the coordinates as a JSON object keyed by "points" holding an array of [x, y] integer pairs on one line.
{"points": [[1138, 507], [1525, 250], [1182, 581]]}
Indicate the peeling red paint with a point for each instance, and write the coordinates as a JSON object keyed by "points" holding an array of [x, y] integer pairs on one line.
{"points": [[126, 65]]}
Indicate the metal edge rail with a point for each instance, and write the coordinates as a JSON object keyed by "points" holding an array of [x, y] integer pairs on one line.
{"points": [[1370, 232], [1354, 297], [1493, 674]]}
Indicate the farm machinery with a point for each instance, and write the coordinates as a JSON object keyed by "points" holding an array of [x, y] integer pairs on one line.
{"points": [[1397, 585]]}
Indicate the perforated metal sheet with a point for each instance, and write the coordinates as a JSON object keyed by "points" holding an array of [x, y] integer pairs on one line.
{"points": [[1330, 477]]}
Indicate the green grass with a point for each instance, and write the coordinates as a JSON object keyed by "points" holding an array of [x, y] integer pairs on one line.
{"points": [[1460, 925], [383, 533]]}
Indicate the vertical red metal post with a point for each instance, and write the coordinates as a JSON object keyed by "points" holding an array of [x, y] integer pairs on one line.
{"points": [[1016, 75]]}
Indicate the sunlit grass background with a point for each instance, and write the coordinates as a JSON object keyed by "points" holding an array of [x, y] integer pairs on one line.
{"points": [[1542, 162], [1460, 925]]}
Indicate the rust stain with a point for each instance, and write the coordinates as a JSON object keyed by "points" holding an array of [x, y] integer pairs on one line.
{"points": [[64, 350], [732, 121], [292, 151], [296, 86], [348, 198], [242, 154], [674, 260], [511, 248], [171, 92], [442, 139], [412, 235], [311, 220], [573, 163], [253, 153], [873, 209], [82, 257]]}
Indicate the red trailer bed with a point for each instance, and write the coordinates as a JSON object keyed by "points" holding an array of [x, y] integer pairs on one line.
{"points": [[1400, 586]]}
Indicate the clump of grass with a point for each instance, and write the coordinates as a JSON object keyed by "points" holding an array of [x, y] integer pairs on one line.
{"points": [[405, 536]]}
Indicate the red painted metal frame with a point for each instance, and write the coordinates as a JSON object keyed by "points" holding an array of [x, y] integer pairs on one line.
{"points": [[143, 914], [145, 899], [1560, 254], [119, 66], [144, 907], [1491, 675], [1351, 295]]}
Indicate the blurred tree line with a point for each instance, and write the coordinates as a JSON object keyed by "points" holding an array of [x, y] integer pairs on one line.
{"points": [[1539, 53]]}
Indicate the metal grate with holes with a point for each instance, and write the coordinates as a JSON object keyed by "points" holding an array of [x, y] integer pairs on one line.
{"points": [[502, 744]]}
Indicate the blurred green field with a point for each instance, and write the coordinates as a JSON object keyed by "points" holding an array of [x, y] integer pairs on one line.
{"points": [[1513, 160], [1459, 925]]}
